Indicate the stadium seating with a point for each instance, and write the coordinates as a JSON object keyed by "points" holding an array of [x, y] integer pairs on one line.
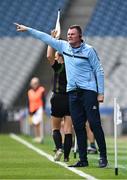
{"points": [[107, 32], [20, 53]]}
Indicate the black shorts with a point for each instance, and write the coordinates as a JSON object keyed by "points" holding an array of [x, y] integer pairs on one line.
{"points": [[60, 105]]}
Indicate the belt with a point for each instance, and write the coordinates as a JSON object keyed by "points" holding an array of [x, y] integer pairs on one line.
{"points": [[77, 91]]}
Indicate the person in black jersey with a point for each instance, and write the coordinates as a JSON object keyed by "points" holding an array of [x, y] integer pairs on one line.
{"points": [[60, 105]]}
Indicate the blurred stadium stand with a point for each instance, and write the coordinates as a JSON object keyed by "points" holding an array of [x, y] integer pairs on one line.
{"points": [[106, 31], [20, 53], [78, 12]]}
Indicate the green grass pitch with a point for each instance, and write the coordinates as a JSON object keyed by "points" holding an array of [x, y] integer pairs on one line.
{"points": [[19, 162]]}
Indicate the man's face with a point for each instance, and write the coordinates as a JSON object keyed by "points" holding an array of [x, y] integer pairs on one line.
{"points": [[73, 36]]}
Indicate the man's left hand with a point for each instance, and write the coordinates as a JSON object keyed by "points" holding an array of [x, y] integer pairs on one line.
{"points": [[100, 98]]}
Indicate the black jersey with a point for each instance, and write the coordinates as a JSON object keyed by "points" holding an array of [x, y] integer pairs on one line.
{"points": [[60, 81]]}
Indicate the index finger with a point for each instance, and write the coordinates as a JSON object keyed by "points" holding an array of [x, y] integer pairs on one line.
{"points": [[16, 24]]}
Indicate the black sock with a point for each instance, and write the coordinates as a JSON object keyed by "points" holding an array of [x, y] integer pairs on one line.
{"points": [[67, 145], [57, 139]]}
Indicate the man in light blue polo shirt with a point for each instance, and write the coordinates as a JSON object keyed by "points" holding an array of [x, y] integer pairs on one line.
{"points": [[85, 85]]}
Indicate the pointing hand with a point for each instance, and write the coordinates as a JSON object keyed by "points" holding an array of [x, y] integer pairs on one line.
{"points": [[20, 27]]}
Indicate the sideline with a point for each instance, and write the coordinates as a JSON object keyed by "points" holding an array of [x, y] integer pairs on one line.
{"points": [[50, 158]]}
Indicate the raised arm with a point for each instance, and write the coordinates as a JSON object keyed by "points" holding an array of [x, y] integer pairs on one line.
{"points": [[51, 51], [51, 55], [56, 44]]}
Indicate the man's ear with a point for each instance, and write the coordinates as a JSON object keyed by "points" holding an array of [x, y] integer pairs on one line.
{"points": [[80, 35]]}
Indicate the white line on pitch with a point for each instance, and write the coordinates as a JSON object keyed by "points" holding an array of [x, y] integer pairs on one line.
{"points": [[49, 157]]}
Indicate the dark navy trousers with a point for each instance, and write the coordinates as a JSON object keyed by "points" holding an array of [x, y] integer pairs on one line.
{"points": [[84, 106]]}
